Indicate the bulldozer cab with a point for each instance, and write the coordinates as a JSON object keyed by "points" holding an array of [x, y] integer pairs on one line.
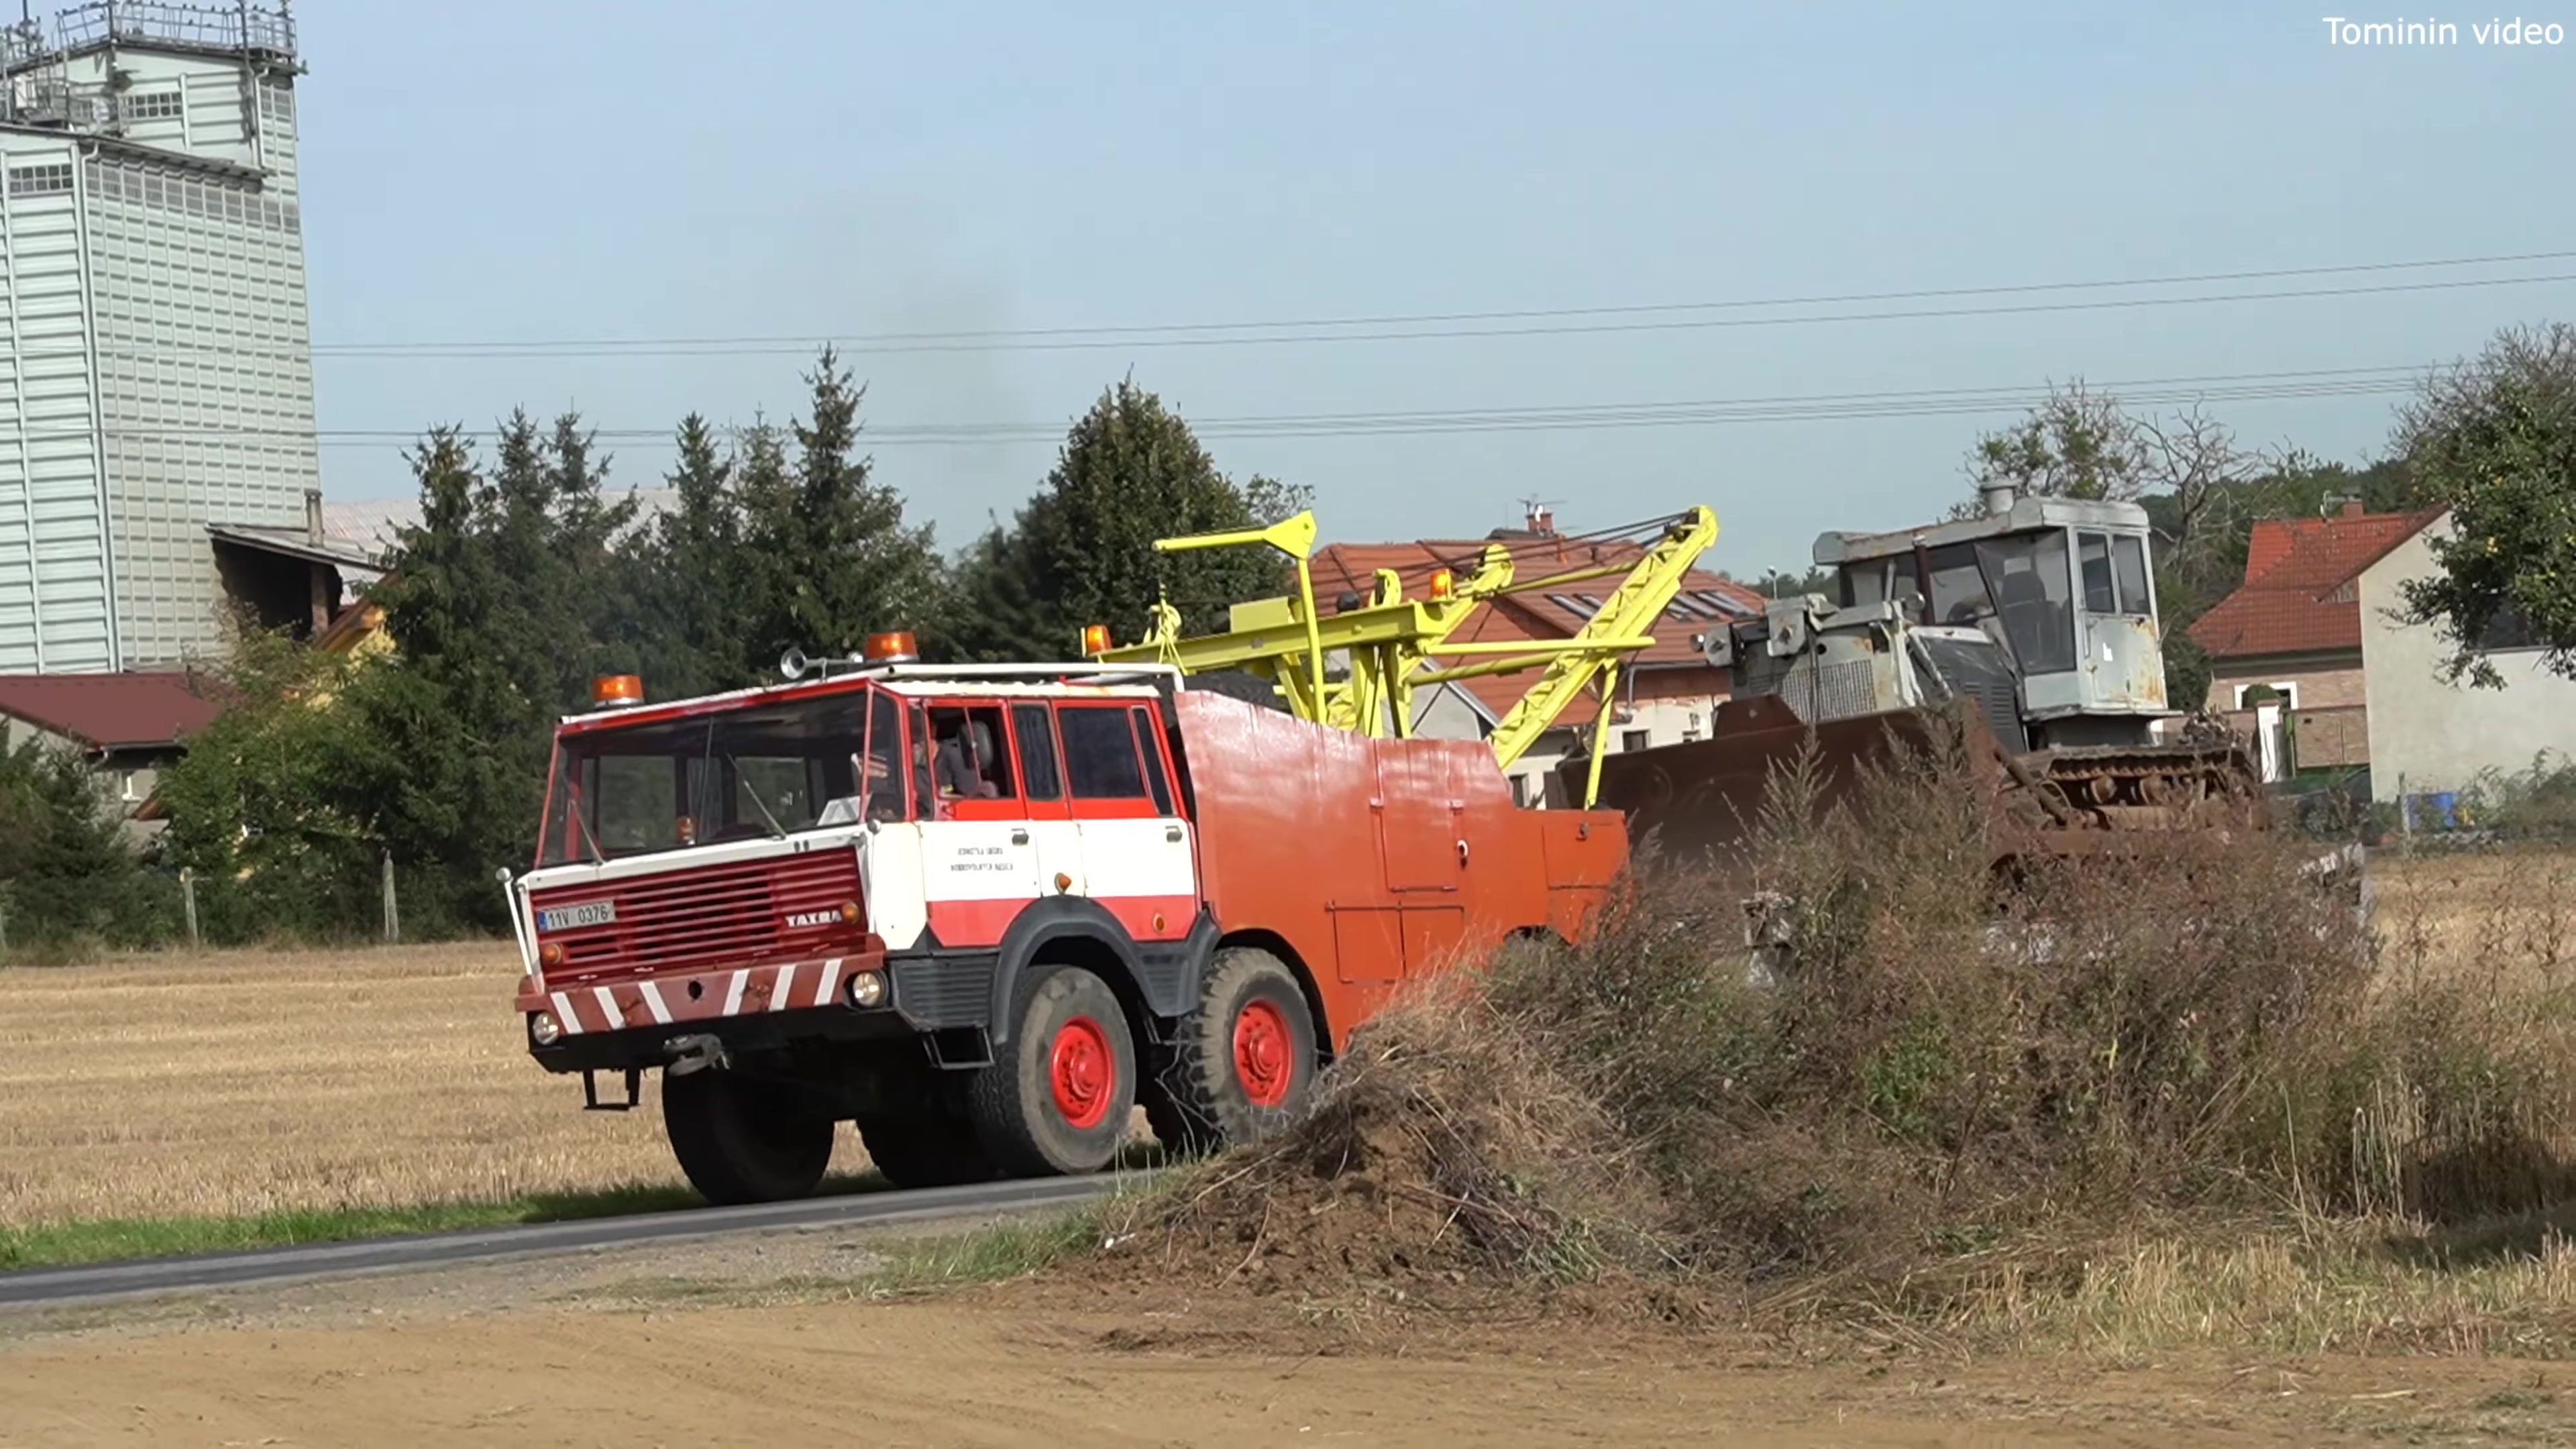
{"points": [[2063, 587]]}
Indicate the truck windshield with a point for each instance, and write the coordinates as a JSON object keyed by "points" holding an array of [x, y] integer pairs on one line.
{"points": [[2034, 597], [764, 770]]}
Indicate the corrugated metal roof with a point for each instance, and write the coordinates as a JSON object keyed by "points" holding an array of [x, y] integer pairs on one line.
{"points": [[114, 711]]}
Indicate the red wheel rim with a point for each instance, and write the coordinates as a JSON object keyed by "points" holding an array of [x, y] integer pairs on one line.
{"points": [[1082, 1073], [1265, 1058]]}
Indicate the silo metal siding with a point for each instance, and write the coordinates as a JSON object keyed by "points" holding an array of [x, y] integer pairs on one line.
{"points": [[163, 377], [56, 599]]}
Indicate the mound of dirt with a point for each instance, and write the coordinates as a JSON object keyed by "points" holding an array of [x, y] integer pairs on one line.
{"points": [[1441, 1157]]}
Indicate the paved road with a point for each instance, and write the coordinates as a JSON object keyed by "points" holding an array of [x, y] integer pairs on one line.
{"points": [[150, 1277]]}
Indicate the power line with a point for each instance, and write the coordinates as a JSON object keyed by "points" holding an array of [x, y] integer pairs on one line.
{"points": [[1549, 323], [1396, 326], [1811, 407]]}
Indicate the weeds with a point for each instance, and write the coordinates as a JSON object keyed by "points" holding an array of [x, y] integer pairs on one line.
{"points": [[2168, 1096]]}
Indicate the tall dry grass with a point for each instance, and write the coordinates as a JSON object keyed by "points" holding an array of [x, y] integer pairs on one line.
{"points": [[2179, 1098]]}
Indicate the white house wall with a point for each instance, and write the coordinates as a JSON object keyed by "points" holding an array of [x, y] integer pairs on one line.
{"points": [[2426, 735]]}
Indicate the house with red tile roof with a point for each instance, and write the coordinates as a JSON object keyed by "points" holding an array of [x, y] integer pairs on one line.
{"points": [[128, 725], [2313, 656], [1667, 694]]}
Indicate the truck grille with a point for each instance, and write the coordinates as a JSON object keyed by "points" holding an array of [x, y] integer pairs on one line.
{"points": [[715, 915]]}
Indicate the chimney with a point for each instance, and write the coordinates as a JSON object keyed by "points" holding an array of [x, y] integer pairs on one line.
{"points": [[2351, 508], [1540, 520], [313, 516]]}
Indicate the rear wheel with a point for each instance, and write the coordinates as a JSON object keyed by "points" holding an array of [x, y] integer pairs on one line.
{"points": [[1242, 1062], [925, 1151], [744, 1140], [1057, 1103]]}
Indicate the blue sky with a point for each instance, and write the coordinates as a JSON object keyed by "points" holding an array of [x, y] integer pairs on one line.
{"points": [[547, 170]]}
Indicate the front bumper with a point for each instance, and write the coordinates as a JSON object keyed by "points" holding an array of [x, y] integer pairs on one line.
{"points": [[630, 1023]]}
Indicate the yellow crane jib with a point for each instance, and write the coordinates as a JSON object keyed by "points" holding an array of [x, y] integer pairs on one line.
{"points": [[1620, 627], [1387, 645], [1291, 641]]}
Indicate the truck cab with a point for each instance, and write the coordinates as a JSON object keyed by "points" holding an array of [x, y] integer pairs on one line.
{"points": [[2043, 611]]}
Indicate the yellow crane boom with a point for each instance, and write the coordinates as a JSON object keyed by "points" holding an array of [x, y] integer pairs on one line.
{"points": [[1389, 644]]}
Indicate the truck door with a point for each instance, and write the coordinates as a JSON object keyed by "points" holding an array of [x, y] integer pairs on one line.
{"points": [[979, 859], [1136, 850], [1053, 835]]}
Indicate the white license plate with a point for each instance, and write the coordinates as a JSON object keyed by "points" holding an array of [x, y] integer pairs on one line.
{"points": [[589, 913]]}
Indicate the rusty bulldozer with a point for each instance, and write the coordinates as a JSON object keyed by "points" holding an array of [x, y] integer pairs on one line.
{"points": [[2032, 630]]}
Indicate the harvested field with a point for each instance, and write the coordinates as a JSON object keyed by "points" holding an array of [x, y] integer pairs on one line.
{"points": [[2505, 919], [241, 1083]]}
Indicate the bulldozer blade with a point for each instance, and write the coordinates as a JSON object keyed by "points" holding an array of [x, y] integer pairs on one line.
{"points": [[1694, 804]]}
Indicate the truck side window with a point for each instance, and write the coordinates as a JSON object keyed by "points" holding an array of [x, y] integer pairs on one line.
{"points": [[2093, 554], [2129, 564], [1100, 753], [884, 787], [1152, 754], [970, 755], [1035, 726]]}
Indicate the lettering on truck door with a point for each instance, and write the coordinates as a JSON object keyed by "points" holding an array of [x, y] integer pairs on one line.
{"points": [[1135, 845], [979, 864]]}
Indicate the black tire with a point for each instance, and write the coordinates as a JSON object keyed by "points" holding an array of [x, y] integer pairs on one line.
{"points": [[1057, 1103], [925, 1151], [743, 1140], [1213, 1090]]}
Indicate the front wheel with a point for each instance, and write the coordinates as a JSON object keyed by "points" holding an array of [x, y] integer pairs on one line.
{"points": [[743, 1140], [1057, 1102], [1243, 1060], [917, 1150]]}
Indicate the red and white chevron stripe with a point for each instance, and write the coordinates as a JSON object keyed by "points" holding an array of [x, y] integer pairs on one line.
{"points": [[665, 1000]]}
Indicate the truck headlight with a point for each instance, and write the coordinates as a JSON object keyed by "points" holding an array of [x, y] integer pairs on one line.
{"points": [[543, 1029], [867, 989]]}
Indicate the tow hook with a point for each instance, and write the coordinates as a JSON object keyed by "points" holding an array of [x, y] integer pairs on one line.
{"points": [[695, 1053]]}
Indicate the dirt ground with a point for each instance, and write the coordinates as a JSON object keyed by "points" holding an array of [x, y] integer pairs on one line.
{"points": [[762, 1340]]}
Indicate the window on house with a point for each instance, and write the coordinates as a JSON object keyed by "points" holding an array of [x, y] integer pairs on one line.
{"points": [[2509, 629], [1636, 739], [2284, 693], [152, 106]]}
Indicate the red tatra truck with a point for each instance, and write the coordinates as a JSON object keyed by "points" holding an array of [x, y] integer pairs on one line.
{"points": [[983, 912]]}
